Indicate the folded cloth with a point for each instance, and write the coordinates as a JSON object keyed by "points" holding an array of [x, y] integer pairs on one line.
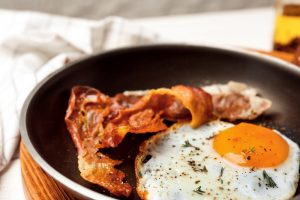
{"points": [[32, 45]]}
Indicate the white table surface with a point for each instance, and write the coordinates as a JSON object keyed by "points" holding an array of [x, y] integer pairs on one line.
{"points": [[246, 28]]}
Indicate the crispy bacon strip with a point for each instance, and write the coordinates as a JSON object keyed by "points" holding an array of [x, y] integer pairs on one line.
{"points": [[236, 100], [88, 108], [231, 101], [96, 121]]}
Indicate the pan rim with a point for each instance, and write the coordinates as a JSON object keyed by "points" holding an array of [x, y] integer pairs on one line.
{"points": [[76, 187]]}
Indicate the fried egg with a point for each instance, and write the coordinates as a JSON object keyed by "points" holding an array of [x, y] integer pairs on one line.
{"points": [[218, 160]]}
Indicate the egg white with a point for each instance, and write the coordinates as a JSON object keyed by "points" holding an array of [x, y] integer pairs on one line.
{"points": [[181, 164]]}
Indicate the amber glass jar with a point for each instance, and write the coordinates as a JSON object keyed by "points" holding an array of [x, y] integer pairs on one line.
{"points": [[287, 26]]}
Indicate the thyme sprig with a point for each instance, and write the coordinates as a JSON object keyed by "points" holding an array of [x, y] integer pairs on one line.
{"points": [[269, 180], [198, 190], [187, 144]]}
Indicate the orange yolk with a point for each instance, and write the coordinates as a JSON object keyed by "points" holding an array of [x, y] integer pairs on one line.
{"points": [[250, 145]]}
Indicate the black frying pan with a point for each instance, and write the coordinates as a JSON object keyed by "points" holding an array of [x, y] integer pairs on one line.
{"points": [[42, 120]]}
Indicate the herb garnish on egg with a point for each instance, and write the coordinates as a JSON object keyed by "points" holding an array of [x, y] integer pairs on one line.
{"points": [[187, 144], [270, 182], [199, 191], [221, 172], [252, 149]]}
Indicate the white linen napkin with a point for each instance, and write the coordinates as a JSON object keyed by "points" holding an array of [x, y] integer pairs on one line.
{"points": [[32, 45]]}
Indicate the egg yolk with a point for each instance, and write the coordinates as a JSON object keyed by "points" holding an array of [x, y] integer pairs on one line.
{"points": [[251, 145]]}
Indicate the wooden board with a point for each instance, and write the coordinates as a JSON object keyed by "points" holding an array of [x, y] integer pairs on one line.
{"points": [[39, 186]]}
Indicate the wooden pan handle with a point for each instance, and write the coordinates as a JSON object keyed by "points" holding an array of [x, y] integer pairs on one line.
{"points": [[36, 183]]}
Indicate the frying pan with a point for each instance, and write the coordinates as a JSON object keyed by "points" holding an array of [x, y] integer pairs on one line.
{"points": [[42, 123]]}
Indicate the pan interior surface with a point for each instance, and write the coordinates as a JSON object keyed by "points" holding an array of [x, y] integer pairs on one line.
{"points": [[153, 67]]}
